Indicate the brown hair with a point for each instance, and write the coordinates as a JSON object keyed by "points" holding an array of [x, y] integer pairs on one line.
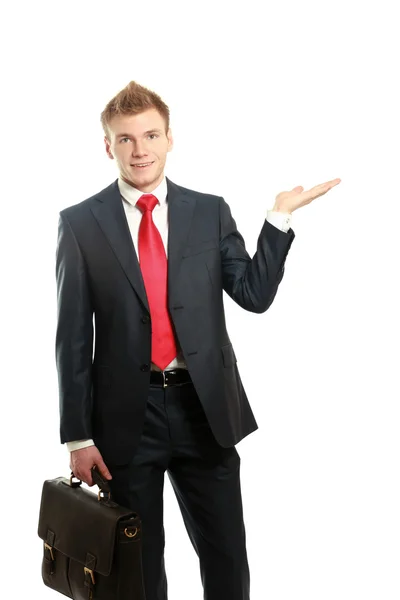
{"points": [[132, 100]]}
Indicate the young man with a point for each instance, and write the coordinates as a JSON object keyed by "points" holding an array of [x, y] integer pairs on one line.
{"points": [[150, 260]]}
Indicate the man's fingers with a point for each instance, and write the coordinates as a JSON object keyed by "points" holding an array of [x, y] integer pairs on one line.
{"points": [[330, 183], [327, 185], [298, 197], [319, 190], [84, 476], [88, 479], [83, 460], [103, 469], [324, 187]]}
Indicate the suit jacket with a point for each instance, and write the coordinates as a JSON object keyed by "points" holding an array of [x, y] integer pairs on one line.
{"points": [[103, 396]]}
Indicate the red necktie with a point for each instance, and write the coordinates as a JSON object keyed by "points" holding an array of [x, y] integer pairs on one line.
{"points": [[153, 264]]}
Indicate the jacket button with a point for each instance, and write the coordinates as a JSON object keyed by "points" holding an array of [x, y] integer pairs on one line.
{"points": [[144, 367], [145, 319]]}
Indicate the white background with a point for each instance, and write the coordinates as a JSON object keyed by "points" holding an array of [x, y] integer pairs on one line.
{"points": [[263, 97]]}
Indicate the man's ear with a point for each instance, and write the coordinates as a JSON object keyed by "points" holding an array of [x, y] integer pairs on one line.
{"points": [[108, 148], [170, 140]]}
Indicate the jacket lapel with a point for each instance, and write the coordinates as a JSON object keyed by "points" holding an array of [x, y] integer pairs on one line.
{"points": [[109, 213], [180, 214]]}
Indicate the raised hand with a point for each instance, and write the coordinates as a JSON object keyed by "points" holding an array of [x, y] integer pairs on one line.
{"points": [[289, 201]]}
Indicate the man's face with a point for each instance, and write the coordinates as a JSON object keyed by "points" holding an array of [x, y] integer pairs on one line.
{"points": [[139, 140]]}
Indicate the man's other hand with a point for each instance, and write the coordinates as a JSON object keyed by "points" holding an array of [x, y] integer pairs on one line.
{"points": [[287, 202], [82, 462]]}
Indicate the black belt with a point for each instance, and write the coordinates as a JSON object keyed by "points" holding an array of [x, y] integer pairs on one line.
{"points": [[168, 378]]}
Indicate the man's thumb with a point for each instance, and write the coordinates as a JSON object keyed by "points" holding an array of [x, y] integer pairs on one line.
{"points": [[103, 469]]}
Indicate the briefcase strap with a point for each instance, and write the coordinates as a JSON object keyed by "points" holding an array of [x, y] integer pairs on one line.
{"points": [[49, 563], [88, 572], [130, 560]]}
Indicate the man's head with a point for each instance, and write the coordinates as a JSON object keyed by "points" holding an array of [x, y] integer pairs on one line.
{"points": [[136, 127]]}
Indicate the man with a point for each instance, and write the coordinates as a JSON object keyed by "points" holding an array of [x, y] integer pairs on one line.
{"points": [[162, 393]]}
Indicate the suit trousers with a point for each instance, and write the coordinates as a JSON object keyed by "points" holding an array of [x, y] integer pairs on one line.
{"points": [[205, 477]]}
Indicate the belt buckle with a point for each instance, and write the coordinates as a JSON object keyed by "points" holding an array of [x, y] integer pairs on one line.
{"points": [[164, 380]]}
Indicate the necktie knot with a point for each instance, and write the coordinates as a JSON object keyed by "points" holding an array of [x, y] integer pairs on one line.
{"points": [[147, 202]]}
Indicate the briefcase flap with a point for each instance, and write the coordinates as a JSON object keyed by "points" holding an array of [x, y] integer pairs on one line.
{"points": [[80, 524]]}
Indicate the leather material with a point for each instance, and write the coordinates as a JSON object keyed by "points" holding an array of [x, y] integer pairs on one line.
{"points": [[172, 377], [80, 531]]}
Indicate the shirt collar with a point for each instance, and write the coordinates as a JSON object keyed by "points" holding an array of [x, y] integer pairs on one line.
{"points": [[132, 194]]}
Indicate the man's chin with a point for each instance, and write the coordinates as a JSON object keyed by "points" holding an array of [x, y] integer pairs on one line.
{"points": [[144, 180]]}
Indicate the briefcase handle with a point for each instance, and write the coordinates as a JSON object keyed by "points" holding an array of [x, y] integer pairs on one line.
{"points": [[98, 479]]}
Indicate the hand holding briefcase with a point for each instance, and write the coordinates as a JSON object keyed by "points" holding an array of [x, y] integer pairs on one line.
{"points": [[92, 546]]}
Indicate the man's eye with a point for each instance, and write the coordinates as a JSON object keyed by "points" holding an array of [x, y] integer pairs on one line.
{"points": [[153, 135]]}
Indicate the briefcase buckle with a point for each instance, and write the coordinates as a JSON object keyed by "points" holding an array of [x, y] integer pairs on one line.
{"points": [[50, 549], [90, 572], [103, 495]]}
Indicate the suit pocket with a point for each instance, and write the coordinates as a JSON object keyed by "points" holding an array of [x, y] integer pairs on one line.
{"points": [[193, 249], [228, 355]]}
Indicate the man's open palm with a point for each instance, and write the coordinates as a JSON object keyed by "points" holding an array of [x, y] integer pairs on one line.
{"points": [[298, 197]]}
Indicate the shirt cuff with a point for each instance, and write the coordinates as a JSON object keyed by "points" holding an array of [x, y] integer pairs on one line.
{"points": [[282, 221], [79, 444]]}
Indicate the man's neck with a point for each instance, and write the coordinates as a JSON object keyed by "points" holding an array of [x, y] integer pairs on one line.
{"points": [[147, 189]]}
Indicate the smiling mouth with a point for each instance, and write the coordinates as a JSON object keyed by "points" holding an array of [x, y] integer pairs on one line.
{"points": [[142, 165]]}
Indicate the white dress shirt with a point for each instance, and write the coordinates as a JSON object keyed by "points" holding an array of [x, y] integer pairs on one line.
{"points": [[130, 196]]}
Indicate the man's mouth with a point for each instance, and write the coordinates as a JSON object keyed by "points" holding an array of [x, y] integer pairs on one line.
{"points": [[142, 165]]}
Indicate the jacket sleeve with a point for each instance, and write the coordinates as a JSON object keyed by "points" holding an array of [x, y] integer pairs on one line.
{"points": [[252, 282], [74, 337]]}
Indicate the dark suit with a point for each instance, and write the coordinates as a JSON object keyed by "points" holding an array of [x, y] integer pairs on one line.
{"points": [[107, 398]]}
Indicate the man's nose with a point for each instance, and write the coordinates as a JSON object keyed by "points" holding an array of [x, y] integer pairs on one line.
{"points": [[139, 149]]}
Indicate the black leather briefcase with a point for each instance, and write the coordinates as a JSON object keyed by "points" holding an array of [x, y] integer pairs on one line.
{"points": [[92, 546]]}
